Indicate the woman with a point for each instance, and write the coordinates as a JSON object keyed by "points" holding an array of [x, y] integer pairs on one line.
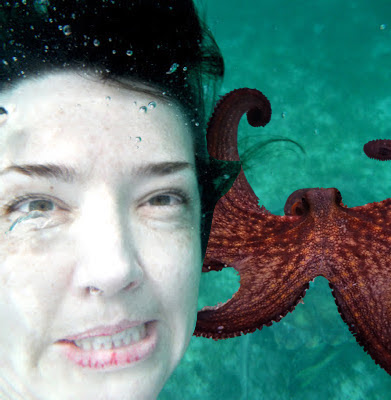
{"points": [[102, 152]]}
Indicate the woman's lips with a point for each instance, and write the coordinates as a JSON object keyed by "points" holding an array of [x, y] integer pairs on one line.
{"points": [[111, 351], [104, 330]]}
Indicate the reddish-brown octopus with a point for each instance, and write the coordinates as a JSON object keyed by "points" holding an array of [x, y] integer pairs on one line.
{"points": [[277, 256]]}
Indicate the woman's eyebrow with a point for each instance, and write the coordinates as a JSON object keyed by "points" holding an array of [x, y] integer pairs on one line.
{"points": [[68, 174]]}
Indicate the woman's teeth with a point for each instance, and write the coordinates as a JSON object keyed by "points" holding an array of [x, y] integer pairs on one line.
{"points": [[124, 338]]}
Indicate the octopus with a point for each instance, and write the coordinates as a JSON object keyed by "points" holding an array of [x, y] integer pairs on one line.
{"points": [[277, 256], [379, 149]]}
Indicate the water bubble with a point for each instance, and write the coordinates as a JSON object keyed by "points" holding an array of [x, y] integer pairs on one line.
{"points": [[15, 58], [129, 53], [185, 69], [31, 215], [114, 51], [60, 27], [283, 114], [173, 68], [73, 16], [67, 30], [226, 176], [108, 98], [24, 2], [197, 124], [143, 109], [383, 26], [152, 105], [138, 139], [96, 43]]}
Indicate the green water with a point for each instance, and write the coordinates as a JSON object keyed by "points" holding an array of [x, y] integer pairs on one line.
{"points": [[325, 67]]}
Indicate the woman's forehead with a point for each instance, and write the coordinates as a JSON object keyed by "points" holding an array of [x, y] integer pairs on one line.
{"points": [[66, 118]]}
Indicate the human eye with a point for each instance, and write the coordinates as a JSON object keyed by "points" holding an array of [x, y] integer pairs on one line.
{"points": [[175, 198], [33, 202], [166, 205], [32, 207]]}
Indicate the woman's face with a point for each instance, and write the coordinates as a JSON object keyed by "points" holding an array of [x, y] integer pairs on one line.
{"points": [[99, 285]]}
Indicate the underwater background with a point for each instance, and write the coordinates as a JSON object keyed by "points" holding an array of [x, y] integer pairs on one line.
{"points": [[325, 66]]}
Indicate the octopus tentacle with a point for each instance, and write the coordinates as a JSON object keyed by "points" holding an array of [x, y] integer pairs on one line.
{"points": [[379, 149], [222, 138]]}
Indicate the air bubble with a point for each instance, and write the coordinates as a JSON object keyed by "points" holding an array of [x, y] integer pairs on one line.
{"points": [[152, 105], [185, 69], [67, 30], [197, 124], [142, 109], [129, 53], [138, 139], [114, 51], [31, 215], [383, 26], [96, 43], [173, 68], [108, 98]]}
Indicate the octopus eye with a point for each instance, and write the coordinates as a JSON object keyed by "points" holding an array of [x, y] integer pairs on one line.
{"points": [[300, 207]]}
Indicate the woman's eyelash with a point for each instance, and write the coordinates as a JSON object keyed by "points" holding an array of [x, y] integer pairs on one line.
{"points": [[181, 198], [17, 202], [159, 200]]}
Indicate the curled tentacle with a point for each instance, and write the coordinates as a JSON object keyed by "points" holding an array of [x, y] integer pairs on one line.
{"points": [[222, 136]]}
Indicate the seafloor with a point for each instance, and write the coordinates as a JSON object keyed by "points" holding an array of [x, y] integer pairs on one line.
{"points": [[325, 65]]}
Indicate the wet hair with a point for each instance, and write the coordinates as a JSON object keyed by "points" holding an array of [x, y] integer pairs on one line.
{"points": [[162, 43]]}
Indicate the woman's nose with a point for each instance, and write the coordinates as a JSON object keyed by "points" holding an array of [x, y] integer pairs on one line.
{"points": [[107, 254]]}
